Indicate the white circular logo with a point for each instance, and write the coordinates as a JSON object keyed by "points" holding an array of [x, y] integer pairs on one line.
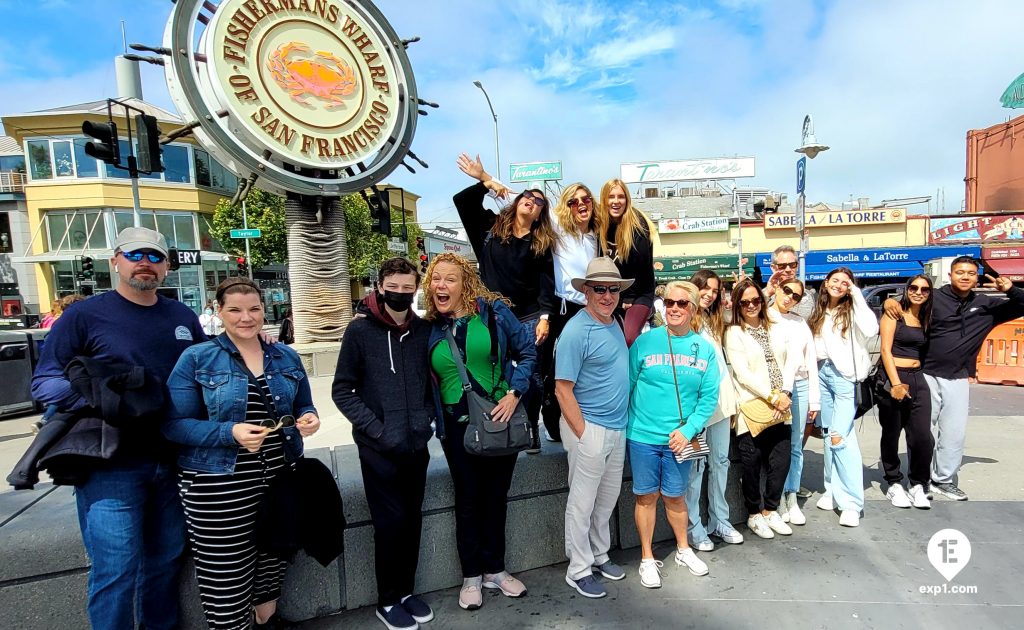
{"points": [[311, 81]]}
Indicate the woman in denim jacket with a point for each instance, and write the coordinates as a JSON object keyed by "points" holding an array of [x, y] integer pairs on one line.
{"points": [[234, 404]]}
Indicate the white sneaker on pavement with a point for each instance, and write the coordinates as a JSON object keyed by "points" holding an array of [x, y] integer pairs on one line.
{"points": [[686, 557], [919, 498], [779, 527], [897, 496], [825, 502], [650, 573], [849, 518], [759, 525], [796, 515], [783, 510], [728, 534]]}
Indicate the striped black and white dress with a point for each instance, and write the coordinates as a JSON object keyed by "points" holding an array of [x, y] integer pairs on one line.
{"points": [[220, 512]]}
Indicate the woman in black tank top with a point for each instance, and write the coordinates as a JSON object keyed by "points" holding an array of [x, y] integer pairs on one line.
{"points": [[908, 405]]}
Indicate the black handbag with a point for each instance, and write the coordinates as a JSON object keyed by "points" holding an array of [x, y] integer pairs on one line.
{"points": [[485, 437]]}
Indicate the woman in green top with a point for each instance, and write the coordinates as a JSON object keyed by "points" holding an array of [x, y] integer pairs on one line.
{"points": [[673, 376], [480, 320]]}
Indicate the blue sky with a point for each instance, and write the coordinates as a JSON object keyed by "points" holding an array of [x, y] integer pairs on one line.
{"points": [[893, 86]]}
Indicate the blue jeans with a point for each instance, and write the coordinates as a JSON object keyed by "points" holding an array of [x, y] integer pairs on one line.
{"points": [[796, 458], [844, 468], [134, 532], [718, 436]]}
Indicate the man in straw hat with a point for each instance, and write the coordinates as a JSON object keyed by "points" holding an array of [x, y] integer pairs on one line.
{"points": [[592, 386]]}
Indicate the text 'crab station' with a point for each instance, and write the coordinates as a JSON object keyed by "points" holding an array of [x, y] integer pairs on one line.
{"points": [[235, 43]]}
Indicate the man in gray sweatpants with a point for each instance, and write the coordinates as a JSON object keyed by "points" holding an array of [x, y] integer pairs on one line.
{"points": [[592, 386]]}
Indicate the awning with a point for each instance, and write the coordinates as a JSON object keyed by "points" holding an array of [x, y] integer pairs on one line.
{"points": [[863, 270], [1012, 268], [667, 269]]}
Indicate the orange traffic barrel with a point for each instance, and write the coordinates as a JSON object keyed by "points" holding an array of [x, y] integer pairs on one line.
{"points": [[1000, 360]]}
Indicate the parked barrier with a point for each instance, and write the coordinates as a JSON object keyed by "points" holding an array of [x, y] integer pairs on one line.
{"points": [[1000, 361]]}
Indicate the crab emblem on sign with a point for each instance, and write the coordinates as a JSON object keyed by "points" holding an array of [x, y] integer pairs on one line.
{"points": [[320, 75]]}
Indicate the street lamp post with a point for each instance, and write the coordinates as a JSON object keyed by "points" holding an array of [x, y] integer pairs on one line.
{"points": [[497, 154], [811, 148]]}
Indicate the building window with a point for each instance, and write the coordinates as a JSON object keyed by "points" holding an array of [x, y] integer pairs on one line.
{"points": [[175, 160], [206, 241], [6, 246], [39, 159], [12, 163], [202, 167], [85, 165], [75, 231], [62, 159]]}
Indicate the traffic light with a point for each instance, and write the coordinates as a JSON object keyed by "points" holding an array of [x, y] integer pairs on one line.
{"points": [[243, 267], [380, 212], [106, 148], [424, 263], [422, 249], [88, 272], [149, 143]]}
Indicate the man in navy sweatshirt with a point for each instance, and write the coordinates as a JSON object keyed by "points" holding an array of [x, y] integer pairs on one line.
{"points": [[382, 386], [960, 321], [128, 509]]}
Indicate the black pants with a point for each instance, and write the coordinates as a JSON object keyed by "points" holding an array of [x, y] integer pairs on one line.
{"points": [[551, 411], [771, 449], [481, 502], [913, 415], [394, 487]]}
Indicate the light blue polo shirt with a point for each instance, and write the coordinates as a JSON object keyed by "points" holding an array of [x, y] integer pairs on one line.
{"points": [[594, 357]]}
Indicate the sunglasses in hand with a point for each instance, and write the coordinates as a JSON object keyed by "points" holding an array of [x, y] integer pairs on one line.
{"points": [[273, 425]]}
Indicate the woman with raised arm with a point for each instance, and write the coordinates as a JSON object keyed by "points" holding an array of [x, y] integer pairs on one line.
{"points": [[842, 323]]}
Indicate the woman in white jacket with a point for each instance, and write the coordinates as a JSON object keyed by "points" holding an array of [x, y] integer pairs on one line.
{"points": [[802, 371], [710, 323], [758, 358], [842, 324]]}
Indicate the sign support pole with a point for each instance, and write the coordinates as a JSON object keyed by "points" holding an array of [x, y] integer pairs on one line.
{"points": [[245, 225]]}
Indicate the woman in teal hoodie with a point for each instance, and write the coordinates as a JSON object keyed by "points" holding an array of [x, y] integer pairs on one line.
{"points": [[674, 379]]}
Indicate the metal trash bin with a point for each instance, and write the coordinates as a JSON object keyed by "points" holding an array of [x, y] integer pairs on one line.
{"points": [[18, 355]]}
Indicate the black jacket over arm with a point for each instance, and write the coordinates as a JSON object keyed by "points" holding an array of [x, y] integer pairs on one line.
{"points": [[511, 268], [958, 327]]}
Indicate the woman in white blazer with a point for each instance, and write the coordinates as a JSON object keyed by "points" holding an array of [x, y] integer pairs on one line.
{"points": [[842, 323], [757, 360]]}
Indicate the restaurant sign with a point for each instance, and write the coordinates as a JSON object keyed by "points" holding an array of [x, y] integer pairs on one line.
{"points": [[535, 172], [686, 170], [705, 224], [837, 219], [681, 268], [978, 227]]}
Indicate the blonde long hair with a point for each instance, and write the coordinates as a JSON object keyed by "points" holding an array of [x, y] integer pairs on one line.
{"points": [[472, 286], [633, 223], [564, 215]]}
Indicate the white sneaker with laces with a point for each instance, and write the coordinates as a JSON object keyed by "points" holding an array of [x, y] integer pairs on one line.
{"points": [[704, 545], [849, 518], [686, 557], [919, 498], [779, 527], [759, 525], [728, 534], [650, 573], [796, 515], [825, 502], [898, 496], [783, 510]]}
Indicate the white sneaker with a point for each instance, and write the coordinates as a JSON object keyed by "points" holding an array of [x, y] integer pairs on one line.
{"points": [[650, 573], [898, 496], [779, 527], [704, 545], [728, 534], [919, 498], [783, 510], [796, 515], [849, 518], [759, 525], [825, 502], [686, 557]]}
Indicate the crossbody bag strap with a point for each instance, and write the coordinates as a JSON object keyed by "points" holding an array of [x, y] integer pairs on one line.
{"points": [[457, 358], [675, 381], [267, 402]]}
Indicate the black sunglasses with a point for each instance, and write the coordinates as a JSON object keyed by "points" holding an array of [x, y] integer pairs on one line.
{"points": [[748, 303], [572, 203], [796, 297], [792, 265], [600, 289], [680, 303], [136, 256], [540, 202], [919, 289], [274, 425]]}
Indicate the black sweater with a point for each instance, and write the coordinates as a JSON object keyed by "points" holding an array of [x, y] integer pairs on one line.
{"points": [[639, 267], [959, 326], [511, 268], [382, 382]]}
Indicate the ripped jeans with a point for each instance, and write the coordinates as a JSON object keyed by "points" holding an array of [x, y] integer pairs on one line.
{"points": [[844, 467]]}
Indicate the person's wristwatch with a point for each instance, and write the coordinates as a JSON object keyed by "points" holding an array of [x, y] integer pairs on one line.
{"points": [[518, 394], [788, 393]]}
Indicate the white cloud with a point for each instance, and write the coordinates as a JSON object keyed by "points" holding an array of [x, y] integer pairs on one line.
{"points": [[623, 51]]}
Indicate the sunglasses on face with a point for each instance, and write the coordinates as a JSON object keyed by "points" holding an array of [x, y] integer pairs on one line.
{"points": [[754, 303], [601, 289], [274, 425], [537, 201], [792, 265], [572, 203], [796, 297], [136, 256], [680, 303], [919, 289]]}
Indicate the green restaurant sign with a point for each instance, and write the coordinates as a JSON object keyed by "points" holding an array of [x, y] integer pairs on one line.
{"points": [[1013, 97], [535, 172], [681, 268]]}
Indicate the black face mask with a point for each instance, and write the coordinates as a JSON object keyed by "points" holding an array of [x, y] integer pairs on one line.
{"points": [[398, 302]]}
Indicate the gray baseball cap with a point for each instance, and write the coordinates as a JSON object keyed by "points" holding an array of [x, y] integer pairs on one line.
{"points": [[133, 238]]}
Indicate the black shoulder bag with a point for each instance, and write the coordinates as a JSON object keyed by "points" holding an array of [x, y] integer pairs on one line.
{"points": [[484, 436]]}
